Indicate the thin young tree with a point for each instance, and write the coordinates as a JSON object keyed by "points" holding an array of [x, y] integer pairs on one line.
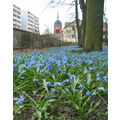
{"points": [[77, 21], [94, 25]]}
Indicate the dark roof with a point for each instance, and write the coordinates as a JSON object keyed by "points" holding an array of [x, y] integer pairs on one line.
{"points": [[58, 22], [69, 23]]}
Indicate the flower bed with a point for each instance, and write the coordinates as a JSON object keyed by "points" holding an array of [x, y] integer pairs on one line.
{"points": [[58, 83]]}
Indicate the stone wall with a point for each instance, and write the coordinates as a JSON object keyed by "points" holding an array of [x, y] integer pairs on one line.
{"points": [[24, 39]]}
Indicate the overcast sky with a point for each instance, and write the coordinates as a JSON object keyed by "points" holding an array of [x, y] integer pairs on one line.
{"points": [[46, 15]]}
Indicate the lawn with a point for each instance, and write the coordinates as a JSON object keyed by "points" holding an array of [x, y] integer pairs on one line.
{"points": [[61, 83]]}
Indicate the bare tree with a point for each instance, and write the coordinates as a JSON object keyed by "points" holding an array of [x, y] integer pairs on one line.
{"points": [[83, 24], [77, 20], [47, 30]]}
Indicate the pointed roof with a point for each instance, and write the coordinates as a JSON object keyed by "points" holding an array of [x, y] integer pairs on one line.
{"points": [[58, 22], [57, 15]]}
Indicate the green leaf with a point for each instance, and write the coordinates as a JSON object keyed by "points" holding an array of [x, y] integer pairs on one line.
{"points": [[30, 98]]}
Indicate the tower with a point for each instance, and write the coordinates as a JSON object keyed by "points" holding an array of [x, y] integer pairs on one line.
{"points": [[58, 28]]}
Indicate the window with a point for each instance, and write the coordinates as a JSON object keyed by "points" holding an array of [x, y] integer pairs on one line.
{"points": [[57, 31], [73, 36], [73, 28]]}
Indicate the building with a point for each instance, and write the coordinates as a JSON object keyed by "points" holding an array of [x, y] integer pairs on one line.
{"points": [[70, 32], [29, 22], [105, 30], [58, 28], [16, 17]]}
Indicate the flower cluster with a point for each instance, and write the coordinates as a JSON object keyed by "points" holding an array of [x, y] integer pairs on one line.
{"points": [[20, 100]]}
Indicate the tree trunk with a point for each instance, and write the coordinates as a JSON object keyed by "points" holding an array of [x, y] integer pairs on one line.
{"points": [[94, 25], [77, 20], [83, 25]]}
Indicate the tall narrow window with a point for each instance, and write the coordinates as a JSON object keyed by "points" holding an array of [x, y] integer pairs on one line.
{"points": [[57, 31]]}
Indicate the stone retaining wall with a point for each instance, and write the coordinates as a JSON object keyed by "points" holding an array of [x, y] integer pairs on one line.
{"points": [[24, 39]]}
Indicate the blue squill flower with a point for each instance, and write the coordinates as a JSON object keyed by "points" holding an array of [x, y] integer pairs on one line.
{"points": [[58, 84], [106, 79], [88, 92], [80, 86], [102, 73], [14, 67], [67, 81], [99, 79], [72, 77], [47, 97], [20, 100], [98, 75], [22, 78], [75, 91], [66, 90], [94, 93], [46, 71], [52, 90], [34, 79], [102, 89], [94, 68], [49, 67], [90, 62], [48, 84]]}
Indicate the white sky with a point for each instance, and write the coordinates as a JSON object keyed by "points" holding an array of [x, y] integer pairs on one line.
{"points": [[46, 16]]}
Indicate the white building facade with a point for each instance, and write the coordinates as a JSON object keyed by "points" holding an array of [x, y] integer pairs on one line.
{"points": [[17, 17], [70, 32], [30, 22]]}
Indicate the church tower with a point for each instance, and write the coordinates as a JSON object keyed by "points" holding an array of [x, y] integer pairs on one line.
{"points": [[58, 28]]}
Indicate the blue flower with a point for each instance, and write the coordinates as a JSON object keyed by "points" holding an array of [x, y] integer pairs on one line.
{"points": [[72, 77], [34, 79], [102, 89], [14, 67], [88, 92], [106, 79], [52, 90], [75, 90], [49, 67], [90, 62], [22, 78], [94, 93], [102, 73], [58, 84], [94, 68], [99, 79], [20, 100], [66, 90], [41, 73], [47, 97], [48, 84], [46, 71], [67, 81], [98, 75], [80, 86], [88, 82]]}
